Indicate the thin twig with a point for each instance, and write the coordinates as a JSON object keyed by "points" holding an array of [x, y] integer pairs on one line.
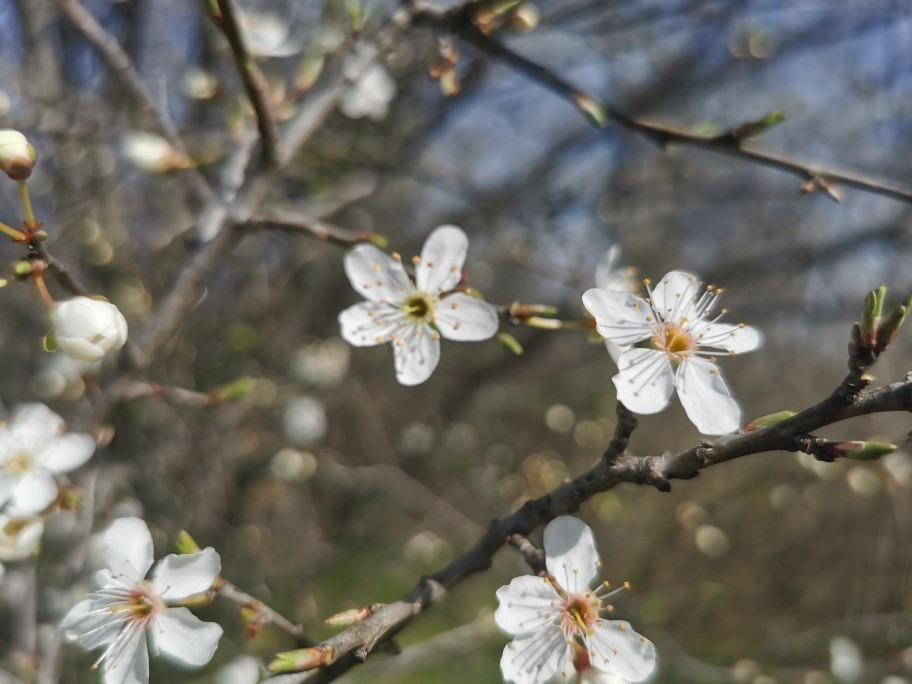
{"points": [[122, 67], [601, 114], [290, 222], [266, 614], [254, 83]]}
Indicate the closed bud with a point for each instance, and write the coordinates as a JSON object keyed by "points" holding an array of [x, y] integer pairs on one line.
{"points": [[891, 323], [185, 543], [863, 451], [350, 617], [301, 659], [238, 389], [87, 329], [17, 156], [870, 315], [767, 421]]}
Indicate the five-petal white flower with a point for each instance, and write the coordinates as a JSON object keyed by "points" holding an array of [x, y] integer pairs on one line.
{"points": [[413, 316], [34, 448], [127, 606], [664, 339], [555, 619]]}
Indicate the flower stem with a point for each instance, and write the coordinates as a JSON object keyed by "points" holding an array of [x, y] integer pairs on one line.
{"points": [[16, 235], [30, 221], [41, 285]]}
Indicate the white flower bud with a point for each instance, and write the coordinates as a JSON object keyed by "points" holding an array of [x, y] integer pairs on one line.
{"points": [[17, 156], [87, 329]]}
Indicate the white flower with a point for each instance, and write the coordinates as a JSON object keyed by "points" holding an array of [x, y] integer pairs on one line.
{"points": [[87, 329], [17, 156], [151, 153], [127, 607], [664, 339], [413, 316], [370, 95], [610, 276], [555, 620], [34, 448], [266, 35], [19, 536]]}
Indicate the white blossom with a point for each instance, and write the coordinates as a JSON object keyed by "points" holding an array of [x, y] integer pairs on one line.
{"points": [[33, 448], [19, 536], [266, 35], [663, 340], [556, 621], [128, 609], [414, 315], [87, 329], [370, 95], [609, 275]]}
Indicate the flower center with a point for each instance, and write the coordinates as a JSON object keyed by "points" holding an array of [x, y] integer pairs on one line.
{"points": [[141, 604], [674, 340], [21, 463], [418, 307], [580, 614]]}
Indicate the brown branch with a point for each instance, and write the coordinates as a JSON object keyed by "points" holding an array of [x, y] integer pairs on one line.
{"points": [[351, 646], [254, 83], [601, 114], [122, 67]]}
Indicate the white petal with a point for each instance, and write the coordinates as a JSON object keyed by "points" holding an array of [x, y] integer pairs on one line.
{"points": [[80, 349], [180, 577], [38, 420], [614, 350], [525, 605], [8, 484], [19, 537], [731, 338], [89, 626], [616, 648], [442, 257], [674, 294], [183, 637], [465, 318], [570, 553], [128, 548], [130, 663], [67, 452], [375, 274], [35, 491], [536, 658], [417, 352], [705, 397], [645, 382], [369, 323], [620, 317]]}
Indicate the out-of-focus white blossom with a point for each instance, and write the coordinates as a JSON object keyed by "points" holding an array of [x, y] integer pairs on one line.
{"points": [[19, 536], [370, 95], [33, 448], [266, 35], [152, 153]]}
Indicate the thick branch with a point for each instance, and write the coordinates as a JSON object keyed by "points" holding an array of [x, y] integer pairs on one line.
{"points": [[352, 645]]}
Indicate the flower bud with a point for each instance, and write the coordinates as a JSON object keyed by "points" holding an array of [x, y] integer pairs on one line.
{"points": [[892, 322], [870, 315], [864, 451], [17, 156], [349, 617], [767, 420], [185, 543], [87, 329], [301, 659]]}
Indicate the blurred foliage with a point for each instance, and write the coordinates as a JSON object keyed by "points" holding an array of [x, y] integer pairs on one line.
{"points": [[347, 499]]}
